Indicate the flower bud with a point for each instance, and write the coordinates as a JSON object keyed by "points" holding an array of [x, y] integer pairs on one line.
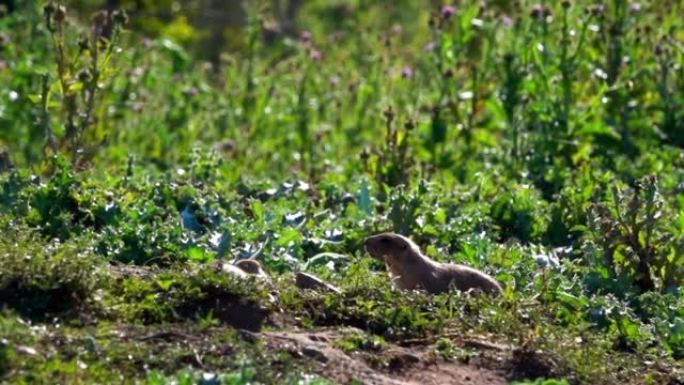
{"points": [[388, 113], [60, 14], [84, 76], [598, 9], [448, 11]]}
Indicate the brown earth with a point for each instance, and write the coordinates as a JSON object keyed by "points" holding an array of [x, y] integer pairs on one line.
{"points": [[404, 362], [394, 365]]}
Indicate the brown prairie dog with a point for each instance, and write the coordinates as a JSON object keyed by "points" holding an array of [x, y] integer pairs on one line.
{"points": [[410, 269], [252, 267], [243, 268]]}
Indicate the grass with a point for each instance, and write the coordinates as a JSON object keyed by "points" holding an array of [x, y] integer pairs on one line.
{"points": [[537, 142]]}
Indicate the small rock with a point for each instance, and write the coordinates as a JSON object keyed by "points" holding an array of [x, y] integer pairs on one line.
{"points": [[26, 350], [308, 281], [248, 335], [316, 338], [315, 354]]}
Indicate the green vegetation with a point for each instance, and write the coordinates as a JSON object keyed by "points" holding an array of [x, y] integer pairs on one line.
{"points": [[541, 143]]}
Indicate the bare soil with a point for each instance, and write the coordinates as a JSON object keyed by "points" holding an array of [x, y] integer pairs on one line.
{"points": [[393, 365]]}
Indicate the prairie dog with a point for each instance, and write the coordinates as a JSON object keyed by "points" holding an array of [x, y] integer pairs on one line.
{"points": [[243, 268], [252, 267], [410, 269]]}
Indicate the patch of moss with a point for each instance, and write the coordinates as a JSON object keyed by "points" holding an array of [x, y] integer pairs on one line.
{"points": [[355, 341], [41, 279], [192, 294]]}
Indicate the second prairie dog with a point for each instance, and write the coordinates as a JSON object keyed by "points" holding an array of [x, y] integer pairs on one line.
{"points": [[244, 268], [252, 267], [410, 269]]}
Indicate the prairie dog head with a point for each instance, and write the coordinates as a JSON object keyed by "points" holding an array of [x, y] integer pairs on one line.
{"points": [[393, 249], [250, 266]]}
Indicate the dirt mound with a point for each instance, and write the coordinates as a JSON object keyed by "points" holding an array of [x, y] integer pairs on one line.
{"points": [[394, 365]]}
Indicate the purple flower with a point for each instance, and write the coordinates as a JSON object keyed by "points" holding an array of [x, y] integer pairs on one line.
{"points": [[305, 37], [598, 9], [506, 21], [448, 11], [315, 55], [634, 7], [429, 47], [407, 72], [537, 11], [334, 81]]}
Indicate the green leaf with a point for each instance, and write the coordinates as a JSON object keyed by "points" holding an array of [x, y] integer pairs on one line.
{"points": [[258, 210], [289, 234], [572, 300], [322, 258], [198, 254], [440, 216], [364, 198], [164, 284]]}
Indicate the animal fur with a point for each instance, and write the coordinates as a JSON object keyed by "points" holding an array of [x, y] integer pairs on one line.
{"points": [[411, 270]]}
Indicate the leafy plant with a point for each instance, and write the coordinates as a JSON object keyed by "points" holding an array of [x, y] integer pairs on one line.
{"points": [[517, 214], [634, 239], [78, 81]]}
